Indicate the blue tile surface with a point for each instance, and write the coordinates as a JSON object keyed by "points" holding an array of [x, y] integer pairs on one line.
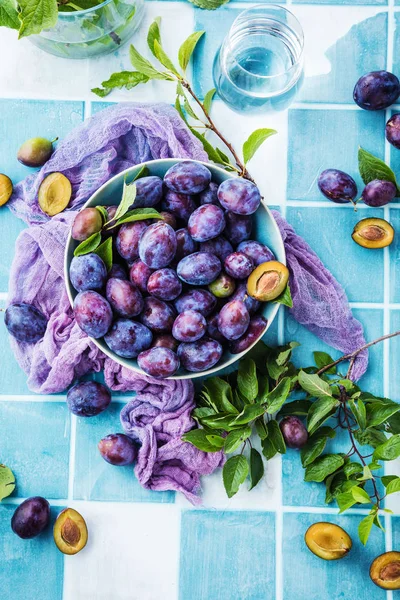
{"points": [[227, 555], [35, 118], [328, 231], [332, 138], [95, 479], [337, 85], [36, 446], [307, 577], [394, 383], [34, 568], [396, 43], [394, 250]]}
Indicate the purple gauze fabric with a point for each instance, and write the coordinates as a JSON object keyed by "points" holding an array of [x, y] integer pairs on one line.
{"points": [[112, 140]]}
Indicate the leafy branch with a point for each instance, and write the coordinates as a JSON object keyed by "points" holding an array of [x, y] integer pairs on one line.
{"points": [[195, 112], [244, 411]]}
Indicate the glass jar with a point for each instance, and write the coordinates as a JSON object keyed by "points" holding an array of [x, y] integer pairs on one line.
{"points": [[259, 66], [98, 30]]}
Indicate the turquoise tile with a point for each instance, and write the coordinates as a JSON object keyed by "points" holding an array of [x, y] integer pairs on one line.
{"points": [[216, 24], [394, 382], [30, 569], [95, 479], [12, 378], [305, 576], [43, 118], [394, 249], [325, 139], [396, 533], [328, 231], [35, 118], [36, 446], [343, 2], [227, 555], [396, 42], [337, 85], [98, 106], [296, 492]]}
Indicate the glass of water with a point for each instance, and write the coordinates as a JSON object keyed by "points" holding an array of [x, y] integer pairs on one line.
{"points": [[259, 66]]}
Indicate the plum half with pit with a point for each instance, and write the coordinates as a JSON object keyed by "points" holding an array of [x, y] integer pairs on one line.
{"points": [[268, 281], [385, 571], [88, 398], [373, 233], [118, 449], [328, 541], [31, 517], [70, 531]]}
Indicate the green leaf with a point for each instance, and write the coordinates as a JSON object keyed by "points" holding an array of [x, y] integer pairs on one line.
{"points": [[220, 421], [261, 428], [208, 98], [88, 245], [123, 79], [256, 468], [323, 359], [364, 528], [161, 55], [393, 486], [320, 411], [366, 475], [235, 438], [378, 413], [137, 214], [145, 67], [285, 298], [154, 34], [345, 501], [254, 141], [263, 388], [143, 172], [352, 469], [198, 437], [190, 110], [200, 413], [249, 413], [9, 14], [268, 448], [104, 214], [314, 385], [371, 437], [360, 495], [105, 251], [234, 473], [128, 198], [275, 436], [371, 168], [36, 15], [393, 424], [209, 149], [220, 394], [187, 48], [386, 479], [277, 397], [298, 408], [247, 379], [322, 467], [389, 450], [284, 355], [216, 440], [209, 4], [7, 482], [316, 445], [359, 411]]}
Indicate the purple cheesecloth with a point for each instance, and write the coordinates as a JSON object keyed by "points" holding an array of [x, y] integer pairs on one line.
{"points": [[111, 141]]}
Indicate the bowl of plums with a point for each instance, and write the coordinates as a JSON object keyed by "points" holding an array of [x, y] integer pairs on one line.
{"points": [[173, 268]]}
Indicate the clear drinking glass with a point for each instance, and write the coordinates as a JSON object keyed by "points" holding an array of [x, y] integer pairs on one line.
{"points": [[259, 66], [98, 30]]}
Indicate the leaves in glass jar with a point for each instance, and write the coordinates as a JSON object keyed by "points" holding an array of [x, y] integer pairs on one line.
{"points": [[36, 15], [9, 14]]}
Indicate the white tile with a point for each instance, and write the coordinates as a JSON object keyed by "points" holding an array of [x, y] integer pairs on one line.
{"points": [[132, 553], [268, 167], [265, 496], [393, 501]]}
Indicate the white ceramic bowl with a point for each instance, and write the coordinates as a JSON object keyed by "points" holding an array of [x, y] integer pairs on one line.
{"points": [[265, 230]]}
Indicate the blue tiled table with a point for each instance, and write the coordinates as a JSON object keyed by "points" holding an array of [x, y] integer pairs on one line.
{"points": [[155, 546]]}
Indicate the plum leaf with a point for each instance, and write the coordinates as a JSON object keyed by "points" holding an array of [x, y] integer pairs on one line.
{"points": [[123, 79], [254, 141], [88, 245], [371, 167], [322, 467], [7, 482], [36, 15], [256, 468], [105, 251], [234, 473], [9, 14], [198, 437], [247, 379], [187, 48]]}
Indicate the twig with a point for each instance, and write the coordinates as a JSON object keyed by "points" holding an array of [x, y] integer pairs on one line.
{"points": [[352, 355]]}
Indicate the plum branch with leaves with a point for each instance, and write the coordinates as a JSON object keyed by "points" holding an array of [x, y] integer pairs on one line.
{"points": [[199, 111], [267, 388]]}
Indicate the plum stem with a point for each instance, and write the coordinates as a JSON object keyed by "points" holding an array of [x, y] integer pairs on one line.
{"points": [[353, 355]]}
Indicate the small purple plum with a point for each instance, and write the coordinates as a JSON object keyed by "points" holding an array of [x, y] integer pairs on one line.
{"points": [[88, 398], [294, 432], [337, 186], [239, 195], [118, 449], [31, 517], [379, 193], [189, 326], [159, 362], [187, 177]]}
